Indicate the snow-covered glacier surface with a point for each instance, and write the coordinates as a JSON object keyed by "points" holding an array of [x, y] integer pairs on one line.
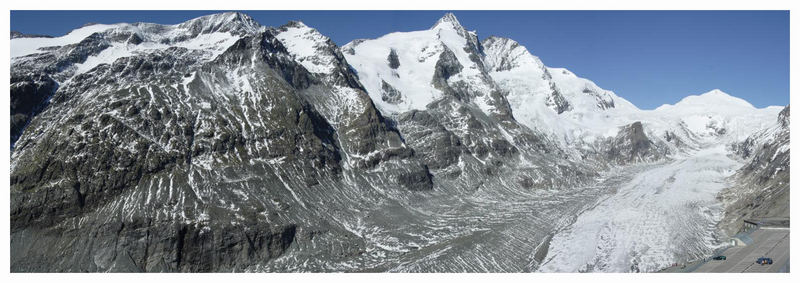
{"points": [[663, 215]]}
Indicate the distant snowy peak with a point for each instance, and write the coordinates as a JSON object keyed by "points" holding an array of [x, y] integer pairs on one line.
{"points": [[575, 109], [712, 100], [716, 114]]}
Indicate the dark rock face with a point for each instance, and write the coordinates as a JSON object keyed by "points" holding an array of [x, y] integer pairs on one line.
{"points": [[116, 145], [29, 95], [632, 145], [442, 148], [149, 246], [419, 179], [446, 66], [390, 94], [394, 62], [89, 143], [556, 101], [784, 117]]}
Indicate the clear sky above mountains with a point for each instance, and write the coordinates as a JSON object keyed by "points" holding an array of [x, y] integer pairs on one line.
{"points": [[648, 57]]}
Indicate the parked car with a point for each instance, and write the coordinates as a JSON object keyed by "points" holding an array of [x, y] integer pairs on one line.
{"points": [[719, 257], [764, 260]]}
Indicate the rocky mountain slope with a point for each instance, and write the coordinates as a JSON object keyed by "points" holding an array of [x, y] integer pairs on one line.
{"points": [[762, 187], [219, 144]]}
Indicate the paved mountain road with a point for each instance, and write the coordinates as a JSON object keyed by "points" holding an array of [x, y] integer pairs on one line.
{"points": [[769, 242]]}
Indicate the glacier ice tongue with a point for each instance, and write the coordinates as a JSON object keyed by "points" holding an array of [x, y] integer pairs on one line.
{"points": [[666, 214]]}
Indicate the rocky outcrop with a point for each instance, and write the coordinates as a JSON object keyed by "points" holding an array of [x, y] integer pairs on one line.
{"points": [[394, 62], [556, 101], [447, 66], [418, 179], [438, 147], [633, 145]]}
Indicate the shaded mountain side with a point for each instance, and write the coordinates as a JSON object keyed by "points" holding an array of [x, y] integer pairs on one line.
{"points": [[113, 147], [29, 95], [224, 156], [761, 186]]}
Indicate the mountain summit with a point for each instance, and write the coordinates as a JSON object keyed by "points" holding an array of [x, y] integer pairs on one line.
{"points": [[715, 98], [448, 20], [233, 22]]}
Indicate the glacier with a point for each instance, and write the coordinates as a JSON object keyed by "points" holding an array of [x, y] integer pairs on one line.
{"points": [[664, 215]]}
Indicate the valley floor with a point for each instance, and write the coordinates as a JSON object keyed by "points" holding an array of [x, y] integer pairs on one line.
{"points": [[639, 218]]}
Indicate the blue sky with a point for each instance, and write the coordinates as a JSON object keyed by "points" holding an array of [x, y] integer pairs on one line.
{"points": [[648, 57]]}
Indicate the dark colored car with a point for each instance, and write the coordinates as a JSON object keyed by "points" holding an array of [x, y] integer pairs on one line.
{"points": [[719, 257], [764, 260]]}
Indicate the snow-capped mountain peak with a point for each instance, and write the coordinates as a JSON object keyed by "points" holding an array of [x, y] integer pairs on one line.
{"points": [[449, 25], [449, 20], [717, 116], [716, 99], [399, 69], [92, 45], [295, 24], [308, 46], [712, 103], [233, 22]]}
